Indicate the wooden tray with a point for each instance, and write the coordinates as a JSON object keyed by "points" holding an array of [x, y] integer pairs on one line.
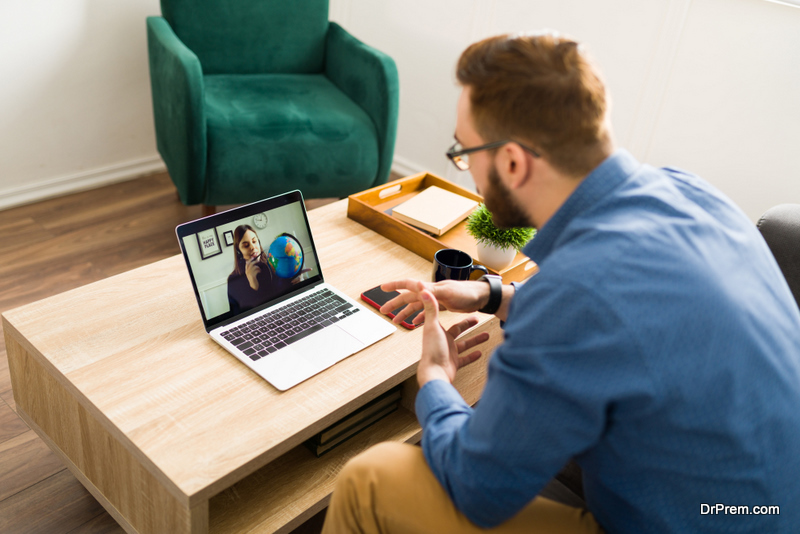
{"points": [[370, 209]]}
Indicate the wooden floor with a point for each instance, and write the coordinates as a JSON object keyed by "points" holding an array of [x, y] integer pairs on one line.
{"points": [[48, 248]]}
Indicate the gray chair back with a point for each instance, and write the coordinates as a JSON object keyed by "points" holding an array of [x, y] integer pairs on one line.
{"points": [[780, 227]]}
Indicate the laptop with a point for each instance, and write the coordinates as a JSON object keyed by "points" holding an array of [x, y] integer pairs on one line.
{"points": [[262, 295]]}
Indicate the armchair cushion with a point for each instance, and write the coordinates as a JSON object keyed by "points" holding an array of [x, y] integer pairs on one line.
{"points": [[271, 133]]}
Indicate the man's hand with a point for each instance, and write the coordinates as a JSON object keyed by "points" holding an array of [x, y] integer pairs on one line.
{"points": [[456, 296], [441, 353]]}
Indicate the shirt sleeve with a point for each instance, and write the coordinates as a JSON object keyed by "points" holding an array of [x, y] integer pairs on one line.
{"points": [[549, 387]]}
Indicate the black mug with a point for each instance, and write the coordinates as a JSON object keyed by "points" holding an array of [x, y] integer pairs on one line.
{"points": [[452, 264]]}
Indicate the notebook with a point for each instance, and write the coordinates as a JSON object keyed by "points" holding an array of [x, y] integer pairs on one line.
{"points": [[435, 210], [262, 294]]}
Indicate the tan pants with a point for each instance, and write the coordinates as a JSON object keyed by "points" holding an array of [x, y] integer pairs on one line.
{"points": [[390, 489]]}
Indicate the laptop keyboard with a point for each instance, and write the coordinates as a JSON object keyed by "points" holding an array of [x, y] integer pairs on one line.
{"points": [[283, 326]]}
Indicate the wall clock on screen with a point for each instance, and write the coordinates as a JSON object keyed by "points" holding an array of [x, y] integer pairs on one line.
{"points": [[260, 220]]}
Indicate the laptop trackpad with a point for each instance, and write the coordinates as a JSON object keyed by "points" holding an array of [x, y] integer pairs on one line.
{"points": [[307, 357], [327, 347]]}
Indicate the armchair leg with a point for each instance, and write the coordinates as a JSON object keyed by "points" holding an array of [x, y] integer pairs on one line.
{"points": [[209, 210]]}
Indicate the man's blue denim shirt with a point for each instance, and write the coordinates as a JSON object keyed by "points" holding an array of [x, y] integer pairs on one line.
{"points": [[658, 345]]}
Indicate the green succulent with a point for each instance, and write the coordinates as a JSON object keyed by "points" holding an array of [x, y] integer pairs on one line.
{"points": [[481, 227]]}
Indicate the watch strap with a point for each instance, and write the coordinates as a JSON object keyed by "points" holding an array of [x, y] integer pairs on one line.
{"points": [[495, 293]]}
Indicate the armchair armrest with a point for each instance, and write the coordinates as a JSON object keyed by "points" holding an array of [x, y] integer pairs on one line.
{"points": [[176, 80], [369, 78]]}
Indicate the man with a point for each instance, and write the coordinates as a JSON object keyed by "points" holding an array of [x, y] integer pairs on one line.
{"points": [[658, 345]]}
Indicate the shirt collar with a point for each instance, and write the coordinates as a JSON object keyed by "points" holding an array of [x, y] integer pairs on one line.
{"points": [[605, 177]]}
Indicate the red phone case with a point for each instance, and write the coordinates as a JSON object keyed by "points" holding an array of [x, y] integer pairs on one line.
{"points": [[377, 305]]}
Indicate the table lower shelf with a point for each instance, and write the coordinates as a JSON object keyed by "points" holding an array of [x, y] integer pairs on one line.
{"points": [[286, 492]]}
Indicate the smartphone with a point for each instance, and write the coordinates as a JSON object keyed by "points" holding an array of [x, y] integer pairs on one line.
{"points": [[378, 297]]}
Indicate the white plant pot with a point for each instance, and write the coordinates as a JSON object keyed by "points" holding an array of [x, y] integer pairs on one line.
{"points": [[496, 258]]}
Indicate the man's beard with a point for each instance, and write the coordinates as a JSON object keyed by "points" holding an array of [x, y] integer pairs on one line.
{"points": [[501, 203]]}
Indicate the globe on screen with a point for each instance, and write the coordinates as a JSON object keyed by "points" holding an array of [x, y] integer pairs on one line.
{"points": [[285, 255]]}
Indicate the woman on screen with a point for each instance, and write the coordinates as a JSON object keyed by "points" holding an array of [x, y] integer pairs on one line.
{"points": [[253, 280]]}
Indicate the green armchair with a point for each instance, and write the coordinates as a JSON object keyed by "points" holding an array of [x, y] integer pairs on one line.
{"points": [[254, 98]]}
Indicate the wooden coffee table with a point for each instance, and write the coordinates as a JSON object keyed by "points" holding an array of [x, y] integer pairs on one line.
{"points": [[170, 432]]}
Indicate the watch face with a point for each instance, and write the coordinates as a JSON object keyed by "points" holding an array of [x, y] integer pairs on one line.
{"points": [[260, 220]]}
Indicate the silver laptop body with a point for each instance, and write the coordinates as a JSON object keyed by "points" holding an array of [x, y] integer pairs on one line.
{"points": [[293, 324]]}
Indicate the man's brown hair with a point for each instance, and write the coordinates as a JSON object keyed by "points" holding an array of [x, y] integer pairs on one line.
{"points": [[538, 89]]}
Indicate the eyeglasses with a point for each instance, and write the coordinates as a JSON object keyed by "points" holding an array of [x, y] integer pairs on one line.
{"points": [[460, 155]]}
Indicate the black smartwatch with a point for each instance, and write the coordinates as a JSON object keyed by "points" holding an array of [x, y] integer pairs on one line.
{"points": [[495, 293]]}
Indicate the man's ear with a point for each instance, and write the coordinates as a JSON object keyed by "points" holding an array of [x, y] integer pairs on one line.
{"points": [[513, 165]]}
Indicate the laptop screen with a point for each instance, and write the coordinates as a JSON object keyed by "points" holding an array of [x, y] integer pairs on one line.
{"points": [[247, 258]]}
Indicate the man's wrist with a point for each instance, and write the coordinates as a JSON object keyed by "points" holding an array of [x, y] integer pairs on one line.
{"points": [[486, 292], [495, 299], [428, 373]]}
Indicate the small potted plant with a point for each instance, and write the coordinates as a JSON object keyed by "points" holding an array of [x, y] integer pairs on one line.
{"points": [[497, 247]]}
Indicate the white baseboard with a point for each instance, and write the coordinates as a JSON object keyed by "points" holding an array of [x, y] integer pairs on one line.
{"points": [[404, 167], [80, 181]]}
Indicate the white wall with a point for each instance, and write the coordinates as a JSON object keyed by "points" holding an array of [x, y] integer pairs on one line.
{"points": [[75, 109], [707, 85], [711, 86], [731, 108]]}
